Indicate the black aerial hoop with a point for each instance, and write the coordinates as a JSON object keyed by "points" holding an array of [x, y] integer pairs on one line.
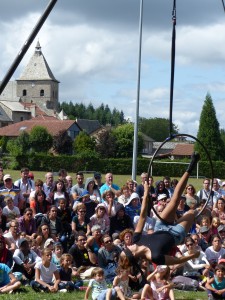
{"points": [[223, 5], [171, 135], [155, 155]]}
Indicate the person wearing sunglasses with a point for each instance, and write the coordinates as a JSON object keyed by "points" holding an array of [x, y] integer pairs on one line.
{"points": [[108, 256], [27, 224], [195, 267]]}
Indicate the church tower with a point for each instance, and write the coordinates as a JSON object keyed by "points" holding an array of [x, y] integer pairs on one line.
{"points": [[37, 83]]}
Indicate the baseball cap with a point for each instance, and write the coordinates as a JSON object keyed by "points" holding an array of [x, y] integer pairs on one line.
{"points": [[203, 229], [7, 176]]}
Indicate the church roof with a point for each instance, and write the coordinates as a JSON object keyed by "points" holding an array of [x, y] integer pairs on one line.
{"points": [[37, 68], [14, 106]]}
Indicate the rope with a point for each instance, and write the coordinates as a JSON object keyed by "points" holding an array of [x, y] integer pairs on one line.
{"points": [[173, 52]]}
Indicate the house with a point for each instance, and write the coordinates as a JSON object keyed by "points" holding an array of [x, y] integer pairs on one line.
{"points": [[53, 126]]}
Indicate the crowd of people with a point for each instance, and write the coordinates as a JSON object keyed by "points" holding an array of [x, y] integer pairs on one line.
{"points": [[57, 235]]}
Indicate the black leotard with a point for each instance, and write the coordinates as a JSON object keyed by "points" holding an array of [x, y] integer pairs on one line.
{"points": [[160, 243]]}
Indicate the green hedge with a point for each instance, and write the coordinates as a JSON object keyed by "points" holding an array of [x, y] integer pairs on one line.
{"points": [[74, 163]]}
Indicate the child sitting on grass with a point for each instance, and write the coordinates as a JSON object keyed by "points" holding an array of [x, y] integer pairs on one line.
{"points": [[8, 282], [45, 272], [99, 288], [216, 286], [66, 272]]}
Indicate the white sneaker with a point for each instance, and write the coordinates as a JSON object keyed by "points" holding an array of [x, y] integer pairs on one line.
{"points": [[63, 291]]}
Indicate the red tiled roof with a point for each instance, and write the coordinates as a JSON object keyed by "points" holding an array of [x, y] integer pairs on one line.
{"points": [[53, 126], [183, 150]]}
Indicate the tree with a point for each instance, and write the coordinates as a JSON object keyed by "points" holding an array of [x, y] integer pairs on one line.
{"points": [[20, 145], [106, 144], [62, 143], [40, 139], [83, 142], [124, 135], [209, 132], [156, 128]]}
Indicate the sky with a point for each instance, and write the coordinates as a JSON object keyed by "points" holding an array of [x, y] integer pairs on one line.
{"points": [[92, 48]]}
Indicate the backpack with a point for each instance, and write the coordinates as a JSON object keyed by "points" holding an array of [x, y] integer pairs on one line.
{"points": [[185, 283]]}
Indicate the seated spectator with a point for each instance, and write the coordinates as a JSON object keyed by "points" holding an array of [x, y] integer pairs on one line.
{"points": [[108, 256], [55, 224], [93, 189], [133, 206], [94, 241], [5, 254], [10, 211], [215, 252], [204, 237], [80, 221], [64, 214], [149, 225], [192, 199], [25, 259], [161, 189], [27, 224], [46, 274], [89, 204], [8, 281], [219, 210], [216, 285], [12, 235], [43, 233], [66, 273], [221, 233], [196, 267], [125, 195], [110, 203], [119, 222], [100, 218], [38, 187], [3, 222], [39, 204], [125, 238], [81, 253], [59, 192], [57, 254]]}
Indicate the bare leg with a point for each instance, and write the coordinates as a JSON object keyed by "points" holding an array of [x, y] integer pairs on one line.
{"points": [[169, 213], [12, 287], [187, 220], [108, 294], [147, 292], [119, 293]]}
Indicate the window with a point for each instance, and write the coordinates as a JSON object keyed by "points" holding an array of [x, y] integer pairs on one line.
{"points": [[24, 92], [42, 93]]}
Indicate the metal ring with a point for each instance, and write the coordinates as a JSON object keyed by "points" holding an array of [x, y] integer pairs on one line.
{"points": [[209, 158]]}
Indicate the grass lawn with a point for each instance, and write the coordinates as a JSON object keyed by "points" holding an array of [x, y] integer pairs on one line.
{"points": [[29, 294]]}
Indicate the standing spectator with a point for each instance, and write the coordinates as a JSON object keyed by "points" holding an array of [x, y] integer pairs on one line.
{"points": [[38, 187], [9, 189], [62, 175], [205, 193], [140, 187], [98, 179], [218, 192], [25, 185], [167, 182], [69, 184], [130, 185], [48, 184], [109, 185], [78, 188]]}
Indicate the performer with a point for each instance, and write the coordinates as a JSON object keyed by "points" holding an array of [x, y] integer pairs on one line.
{"points": [[156, 247]]}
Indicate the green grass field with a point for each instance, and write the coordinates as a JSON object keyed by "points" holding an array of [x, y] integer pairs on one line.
{"points": [[29, 294]]}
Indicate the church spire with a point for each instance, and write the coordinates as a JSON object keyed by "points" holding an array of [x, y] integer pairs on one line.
{"points": [[38, 48]]}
